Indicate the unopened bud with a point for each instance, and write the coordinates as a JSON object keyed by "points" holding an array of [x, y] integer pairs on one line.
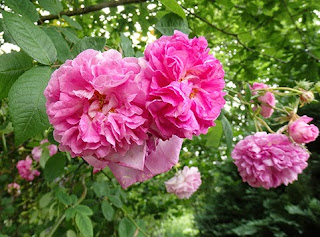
{"points": [[306, 97]]}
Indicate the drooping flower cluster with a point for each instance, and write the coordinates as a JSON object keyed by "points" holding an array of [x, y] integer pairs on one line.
{"points": [[37, 151], [302, 132], [267, 100], [269, 160], [25, 169], [185, 182], [14, 189], [131, 113]]}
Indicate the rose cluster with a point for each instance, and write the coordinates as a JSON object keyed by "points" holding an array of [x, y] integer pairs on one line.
{"points": [[131, 114], [269, 160], [25, 168]]}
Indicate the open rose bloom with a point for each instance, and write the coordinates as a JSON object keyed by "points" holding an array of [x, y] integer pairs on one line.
{"points": [[131, 113], [184, 183], [269, 160], [302, 132], [186, 82]]}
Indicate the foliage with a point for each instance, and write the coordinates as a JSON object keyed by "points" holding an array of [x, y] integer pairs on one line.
{"points": [[270, 41]]}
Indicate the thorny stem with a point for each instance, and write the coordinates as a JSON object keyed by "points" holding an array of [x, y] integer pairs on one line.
{"points": [[133, 221]]}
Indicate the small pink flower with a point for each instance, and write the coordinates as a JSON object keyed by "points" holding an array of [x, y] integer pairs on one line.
{"points": [[185, 86], [37, 151], [267, 100], [269, 160], [25, 170], [185, 182], [14, 189], [302, 132]]}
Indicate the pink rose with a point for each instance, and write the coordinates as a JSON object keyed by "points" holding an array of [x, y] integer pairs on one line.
{"points": [[37, 151], [14, 189], [184, 183], [302, 132], [25, 170], [185, 86], [267, 100], [96, 106], [269, 160]]}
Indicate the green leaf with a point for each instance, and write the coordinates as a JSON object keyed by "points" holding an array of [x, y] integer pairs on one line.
{"points": [[45, 200], [101, 189], [12, 65], [296, 210], [107, 210], [27, 104], [7, 36], [74, 198], [24, 7], [96, 43], [72, 22], [71, 233], [171, 22], [70, 213], [173, 6], [126, 228], [70, 35], [214, 135], [54, 166], [248, 92], [115, 200], [30, 38], [62, 47], [126, 46], [53, 6], [85, 210], [45, 155], [63, 196], [84, 225], [227, 130]]}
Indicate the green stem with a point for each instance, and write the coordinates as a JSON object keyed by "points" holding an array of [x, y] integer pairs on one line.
{"points": [[280, 89], [262, 122], [4, 142], [55, 227], [62, 217], [282, 110], [133, 221], [230, 90]]}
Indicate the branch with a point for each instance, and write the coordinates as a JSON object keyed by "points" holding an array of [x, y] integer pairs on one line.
{"points": [[89, 9], [302, 36]]}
